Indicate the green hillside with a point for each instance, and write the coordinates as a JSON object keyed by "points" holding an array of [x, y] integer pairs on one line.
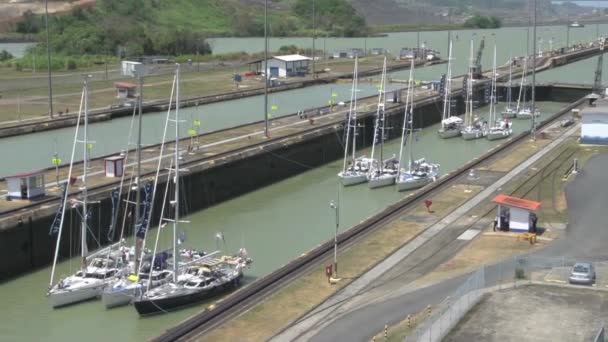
{"points": [[177, 27]]}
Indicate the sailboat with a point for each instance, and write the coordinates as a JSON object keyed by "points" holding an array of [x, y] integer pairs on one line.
{"points": [[383, 172], [355, 171], [473, 127], [501, 128], [96, 270], [523, 110], [450, 125], [123, 290], [419, 173], [510, 111], [204, 276]]}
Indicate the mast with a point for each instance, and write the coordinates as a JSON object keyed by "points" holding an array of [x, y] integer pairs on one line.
{"points": [[349, 120], [493, 92], [382, 104], [509, 94], [377, 124], [448, 85], [521, 85], [411, 133], [138, 218], [65, 198], [176, 204], [354, 108], [469, 100], [85, 165], [405, 113]]}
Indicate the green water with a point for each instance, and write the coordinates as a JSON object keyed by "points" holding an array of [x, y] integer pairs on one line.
{"points": [[275, 224]]}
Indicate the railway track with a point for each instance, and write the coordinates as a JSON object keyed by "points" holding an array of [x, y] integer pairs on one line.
{"points": [[246, 297]]}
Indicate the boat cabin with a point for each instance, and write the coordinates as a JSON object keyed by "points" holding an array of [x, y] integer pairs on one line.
{"points": [[516, 214], [27, 185]]}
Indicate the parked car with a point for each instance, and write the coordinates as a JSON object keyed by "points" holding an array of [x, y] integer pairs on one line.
{"points": [[582, 273]]}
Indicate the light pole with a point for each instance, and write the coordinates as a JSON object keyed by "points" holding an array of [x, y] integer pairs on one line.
{"points": [[314, 36], [266, 78], [567, 37], [533, 129], [334, 206], [48, 55]]}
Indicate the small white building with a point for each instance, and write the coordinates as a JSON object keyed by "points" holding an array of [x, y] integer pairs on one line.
{"points": [[287, 66], [516, 214], [594, 129], [114, 166], [26, 185]]}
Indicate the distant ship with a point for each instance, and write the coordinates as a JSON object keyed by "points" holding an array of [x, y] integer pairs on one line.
{"points": [[576, 24]]}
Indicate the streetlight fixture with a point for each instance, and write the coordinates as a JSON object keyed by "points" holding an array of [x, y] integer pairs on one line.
{"points": [[336, 209]]}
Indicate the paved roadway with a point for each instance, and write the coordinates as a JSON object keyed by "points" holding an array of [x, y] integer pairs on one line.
{"points": [[390, 303]]}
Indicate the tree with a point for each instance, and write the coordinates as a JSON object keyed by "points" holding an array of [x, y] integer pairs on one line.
{"points": [[29, 24], [5, 56]]}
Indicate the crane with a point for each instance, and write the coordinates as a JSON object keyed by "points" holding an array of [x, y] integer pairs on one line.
{"points": [[476, 67]]}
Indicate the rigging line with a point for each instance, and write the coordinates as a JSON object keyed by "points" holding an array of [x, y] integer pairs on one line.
{"points": [[291, 161]]}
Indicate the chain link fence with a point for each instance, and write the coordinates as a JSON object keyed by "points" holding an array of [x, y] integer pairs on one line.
{"points": [[510, 273]]}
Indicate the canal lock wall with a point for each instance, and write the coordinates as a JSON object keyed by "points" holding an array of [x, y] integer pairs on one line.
{"points": [[26, 245]]}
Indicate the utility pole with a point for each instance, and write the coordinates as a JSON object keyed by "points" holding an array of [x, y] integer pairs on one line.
{"points": [[314, 36], [266, 68], [336, 208], [533, 129], [48, 55], [567, 37]]}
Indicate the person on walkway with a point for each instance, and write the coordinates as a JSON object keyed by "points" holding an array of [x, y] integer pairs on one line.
{"points": [[495, 223], [533, 220]]}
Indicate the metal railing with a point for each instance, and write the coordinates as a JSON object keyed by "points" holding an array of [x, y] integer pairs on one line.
{"points": [[510, 273]]}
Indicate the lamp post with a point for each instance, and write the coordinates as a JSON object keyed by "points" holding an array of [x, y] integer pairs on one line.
{"points": [[266, 78], [334, 206], [533, 129], [567, 37], [48, 55], [314, 36]]}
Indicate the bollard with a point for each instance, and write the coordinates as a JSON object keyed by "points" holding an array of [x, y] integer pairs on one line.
{"points": [[386, 332], [428, 310], [409, 321], [575, 166]]}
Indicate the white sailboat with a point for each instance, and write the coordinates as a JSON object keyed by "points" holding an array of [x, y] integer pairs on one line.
{"points": [[510, 111], [205, 276], [383, 172], [450, 125], [96, 270], [473, 127], [523, 110], [124, 290], [419, 173], [500, 128], [353, 171]]}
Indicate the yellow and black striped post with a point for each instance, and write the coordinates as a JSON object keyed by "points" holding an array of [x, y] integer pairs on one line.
{"points": [[409, 321], [386, 332], [428, 310]]}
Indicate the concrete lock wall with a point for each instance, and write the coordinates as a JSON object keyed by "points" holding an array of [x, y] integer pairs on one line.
{"points": [[27, 245]]}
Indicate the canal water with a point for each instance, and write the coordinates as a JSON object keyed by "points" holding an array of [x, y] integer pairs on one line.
{"points": [[275, 224], [15, 49], [43, 145]]}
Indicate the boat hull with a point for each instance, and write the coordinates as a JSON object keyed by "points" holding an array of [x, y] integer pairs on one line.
{"points": [[119, 297], [62, 298], [413, 183], [508, 115], [498, 135], [472, 135], [352, 179], [450, 133], [146, 306], [382, 181]]}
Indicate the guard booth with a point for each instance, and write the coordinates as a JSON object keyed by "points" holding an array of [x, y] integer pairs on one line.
{"points": [[125, 90], [516, 214], [26, 185], [114, 166]]}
